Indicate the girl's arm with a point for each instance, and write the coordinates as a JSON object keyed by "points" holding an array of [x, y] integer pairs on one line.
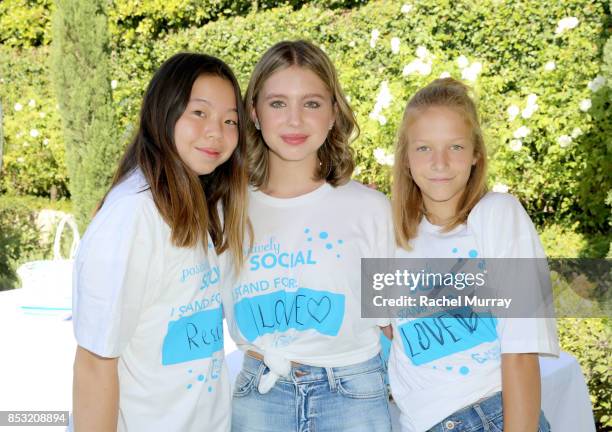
{"points": [[521, 392], [95, 392]]}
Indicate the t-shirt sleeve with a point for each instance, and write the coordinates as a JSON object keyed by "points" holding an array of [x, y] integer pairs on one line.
{"points": [[117, 270], [510, 234]]}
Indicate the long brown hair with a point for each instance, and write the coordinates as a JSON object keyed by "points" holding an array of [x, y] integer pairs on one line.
{"points": [[335, 155], [189, 203], [407, 200]]}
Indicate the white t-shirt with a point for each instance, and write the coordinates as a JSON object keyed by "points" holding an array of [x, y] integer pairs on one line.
{"points": [[433, 377], [298, 295], [158, 308]]}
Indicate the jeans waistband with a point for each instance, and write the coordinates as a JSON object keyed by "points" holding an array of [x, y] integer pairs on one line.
{"points": [[314, 373], [490, 406]]}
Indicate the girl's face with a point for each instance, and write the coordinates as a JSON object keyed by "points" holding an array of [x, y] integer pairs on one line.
{"points": [[295, 112], [440, 156], [206, 133]]}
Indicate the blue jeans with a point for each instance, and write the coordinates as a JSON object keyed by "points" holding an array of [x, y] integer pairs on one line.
{"points": [[350, 398], [484, 416]]}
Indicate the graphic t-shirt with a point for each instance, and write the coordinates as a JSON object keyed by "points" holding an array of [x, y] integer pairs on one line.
{"points": [[157, 307], [298, 296], [438, 366]]}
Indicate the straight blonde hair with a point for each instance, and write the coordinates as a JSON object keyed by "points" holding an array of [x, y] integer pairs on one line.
{"points": [[407, 200], [335, 155]]}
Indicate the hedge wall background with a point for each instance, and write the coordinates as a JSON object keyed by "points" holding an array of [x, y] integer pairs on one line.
{"points": [[541, 70], [536, 68]]}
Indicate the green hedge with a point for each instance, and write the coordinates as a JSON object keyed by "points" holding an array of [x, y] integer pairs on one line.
{"points": [[589, 340], [561, 171]]}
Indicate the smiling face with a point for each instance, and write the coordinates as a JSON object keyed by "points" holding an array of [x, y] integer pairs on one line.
{"points": [[206, 133], [295, 111], [440, 157]]}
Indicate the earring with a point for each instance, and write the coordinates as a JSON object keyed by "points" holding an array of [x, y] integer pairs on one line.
{"points": [[257, 125], [331, 126]]}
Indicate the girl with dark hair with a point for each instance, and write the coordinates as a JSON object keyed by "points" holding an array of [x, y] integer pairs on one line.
{"points": [[311, 363], [147, 309]]}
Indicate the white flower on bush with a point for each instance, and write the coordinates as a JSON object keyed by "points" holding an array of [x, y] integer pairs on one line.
{"points": [[352, 44], [528, 111], [522, 132], [462, 62], [348, 98], [576, 132], [358, 169], [513, 111], [32, 103], [114, 84], [45, 142], [445, 74], [381, 156], [550, 66], [34, 133], [564, 141], [516, 145], [531, 99], [596, 84], [374, 37], [395, 45], [42, 114], [567, 23], [382, 120], [417, 66], [20, 160], [383, 101], [470, 73], [500, 187], [18, 107], [422, 52], [406, 8], [585, 105]]}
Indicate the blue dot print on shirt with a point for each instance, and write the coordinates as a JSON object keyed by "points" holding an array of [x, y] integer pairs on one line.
{"points": [[323, 235], [473, 253], [464, 370], [455, 250], [307, 230], [329, 246], [200, 377]]}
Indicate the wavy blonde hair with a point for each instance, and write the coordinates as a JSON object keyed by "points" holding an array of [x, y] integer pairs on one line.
{"points": [[335, 155], [407, 200]]}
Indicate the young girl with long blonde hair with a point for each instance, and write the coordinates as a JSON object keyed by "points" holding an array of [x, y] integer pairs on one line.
{"points": [[441, 210], [311, 362]]}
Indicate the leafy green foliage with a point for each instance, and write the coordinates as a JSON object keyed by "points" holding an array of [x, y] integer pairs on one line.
{"points": [[25, 23], [80, 67], [33, 162], [589, 341]]}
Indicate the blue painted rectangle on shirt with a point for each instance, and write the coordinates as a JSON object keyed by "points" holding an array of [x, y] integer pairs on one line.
{"points": [[193, 337], [446, 333], [279, 311]]}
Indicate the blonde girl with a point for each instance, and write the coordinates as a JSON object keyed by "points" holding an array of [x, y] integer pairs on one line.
{"points": [[311, 362], [441, 210]]}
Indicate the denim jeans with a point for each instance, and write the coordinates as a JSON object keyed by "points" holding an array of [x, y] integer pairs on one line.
{"points": [[350, 398], [484, 416]]}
